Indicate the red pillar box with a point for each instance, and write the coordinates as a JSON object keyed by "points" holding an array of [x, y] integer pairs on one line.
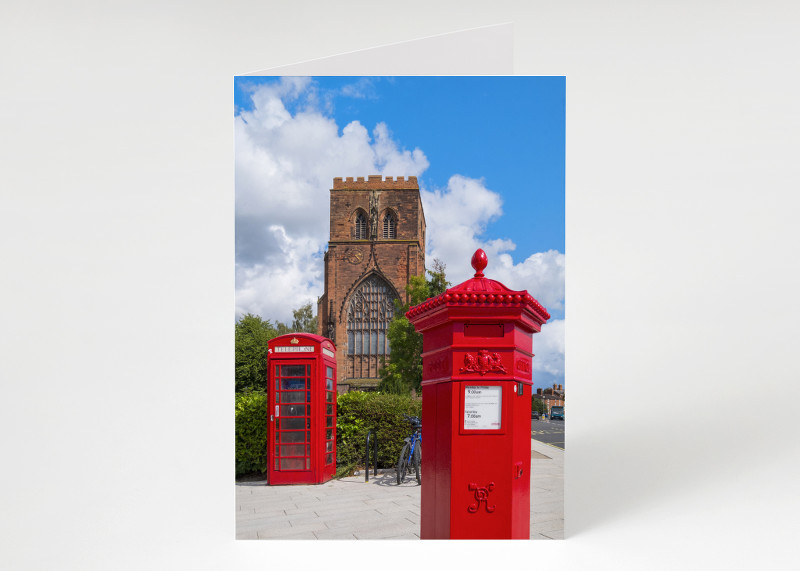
{"points": [[476, 408], [302, 409]]}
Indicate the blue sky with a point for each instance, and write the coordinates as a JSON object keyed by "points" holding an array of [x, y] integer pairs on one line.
{"points": [[508, 130], [488, 153]]}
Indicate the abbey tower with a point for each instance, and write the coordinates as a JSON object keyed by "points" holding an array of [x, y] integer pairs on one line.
{"points": [[377, 242]]}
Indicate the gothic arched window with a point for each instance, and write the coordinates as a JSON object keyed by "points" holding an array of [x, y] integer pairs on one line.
{"points": [[389, 226], [360, 228], [369, 312]]}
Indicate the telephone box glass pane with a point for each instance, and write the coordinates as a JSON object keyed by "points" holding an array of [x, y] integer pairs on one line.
{"points": [[293, 450], [293, 370], [329, 422], [330, 409], [294, 436], [292, 464], [329, 446], [330, 396], [293, 410], [293, 384], [293, 396], [292, 423], [329, 372], [329, 459], [329, 434]]}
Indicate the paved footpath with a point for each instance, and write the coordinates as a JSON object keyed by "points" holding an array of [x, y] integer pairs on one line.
{"points": [[352, 509]]}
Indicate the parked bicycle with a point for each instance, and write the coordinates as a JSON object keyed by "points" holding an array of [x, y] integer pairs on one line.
{"points": [[411, 456]]}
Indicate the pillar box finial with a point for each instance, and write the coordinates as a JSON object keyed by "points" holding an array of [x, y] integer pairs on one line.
{"points": [[479, 262]]}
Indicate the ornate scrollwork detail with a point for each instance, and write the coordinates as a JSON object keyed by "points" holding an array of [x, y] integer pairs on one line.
{"points": [[483, 362], [481, 495]]}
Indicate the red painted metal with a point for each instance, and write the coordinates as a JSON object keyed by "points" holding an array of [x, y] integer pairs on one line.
{"points": [[476, 408], [302, 409]]}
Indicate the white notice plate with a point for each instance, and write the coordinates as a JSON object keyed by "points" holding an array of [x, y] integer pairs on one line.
{"points": [[482, 407]]}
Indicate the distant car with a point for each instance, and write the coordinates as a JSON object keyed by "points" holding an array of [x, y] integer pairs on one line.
{"points": [[535, 415]]}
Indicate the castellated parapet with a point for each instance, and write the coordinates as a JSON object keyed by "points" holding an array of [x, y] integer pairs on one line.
{"points": [[375, 182]]}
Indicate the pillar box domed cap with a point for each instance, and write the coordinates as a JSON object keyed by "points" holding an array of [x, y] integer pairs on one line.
{"points": [[480, 291]]}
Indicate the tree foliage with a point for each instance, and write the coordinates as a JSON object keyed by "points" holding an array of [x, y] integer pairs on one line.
{"points": [[252, 335], [538, 405], [304, 321], [404, 372]]}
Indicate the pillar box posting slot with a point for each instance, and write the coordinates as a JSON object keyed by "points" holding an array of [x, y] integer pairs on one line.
{"points": [[476, 408], [302, 409]]}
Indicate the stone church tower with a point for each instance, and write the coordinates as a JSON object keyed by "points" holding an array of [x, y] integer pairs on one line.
{"points": [[377, 242]]}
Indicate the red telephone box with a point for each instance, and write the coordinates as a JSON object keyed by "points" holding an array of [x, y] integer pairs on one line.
{"points": [[302, 409], [476, 408]]}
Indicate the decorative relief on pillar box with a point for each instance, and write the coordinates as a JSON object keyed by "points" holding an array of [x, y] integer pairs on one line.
{"points": [[523, 365], [483, 362], [481, 496], [438, 366]]}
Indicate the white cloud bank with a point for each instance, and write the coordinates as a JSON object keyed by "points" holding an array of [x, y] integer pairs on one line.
{"points": [[285, 162]]}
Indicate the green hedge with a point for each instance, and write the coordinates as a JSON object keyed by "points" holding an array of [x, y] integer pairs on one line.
{"points": [[251, 433], [359, 412]]}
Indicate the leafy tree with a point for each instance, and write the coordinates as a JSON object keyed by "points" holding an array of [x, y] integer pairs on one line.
{"points": [[252, 335], [304, 322], [538, 405], [404, 372]]}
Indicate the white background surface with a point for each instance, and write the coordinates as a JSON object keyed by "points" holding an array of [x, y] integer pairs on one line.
{"points": [[116, 237]]}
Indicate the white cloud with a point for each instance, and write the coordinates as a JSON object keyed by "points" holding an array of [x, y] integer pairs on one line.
{"points": [[548, 348]]}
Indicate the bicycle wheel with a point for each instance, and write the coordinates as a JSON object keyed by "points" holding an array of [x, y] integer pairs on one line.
{"points": [[402, 464], [417, 460]]}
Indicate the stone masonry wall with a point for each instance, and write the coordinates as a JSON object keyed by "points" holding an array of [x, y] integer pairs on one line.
{"points": [[349, 261]]}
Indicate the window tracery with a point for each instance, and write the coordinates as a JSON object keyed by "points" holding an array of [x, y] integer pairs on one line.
{"points": [[360, 227], [389, 226], [369, 312]]}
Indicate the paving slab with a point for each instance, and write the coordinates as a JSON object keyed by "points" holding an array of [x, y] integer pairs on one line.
{"points": [[351, 508]]}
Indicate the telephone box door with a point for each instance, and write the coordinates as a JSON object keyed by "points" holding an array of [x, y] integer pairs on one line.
{"points": [[292, 421]]}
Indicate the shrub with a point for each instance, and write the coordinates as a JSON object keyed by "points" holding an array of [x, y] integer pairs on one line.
{"points": [[251, 432], [359, 412]]}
